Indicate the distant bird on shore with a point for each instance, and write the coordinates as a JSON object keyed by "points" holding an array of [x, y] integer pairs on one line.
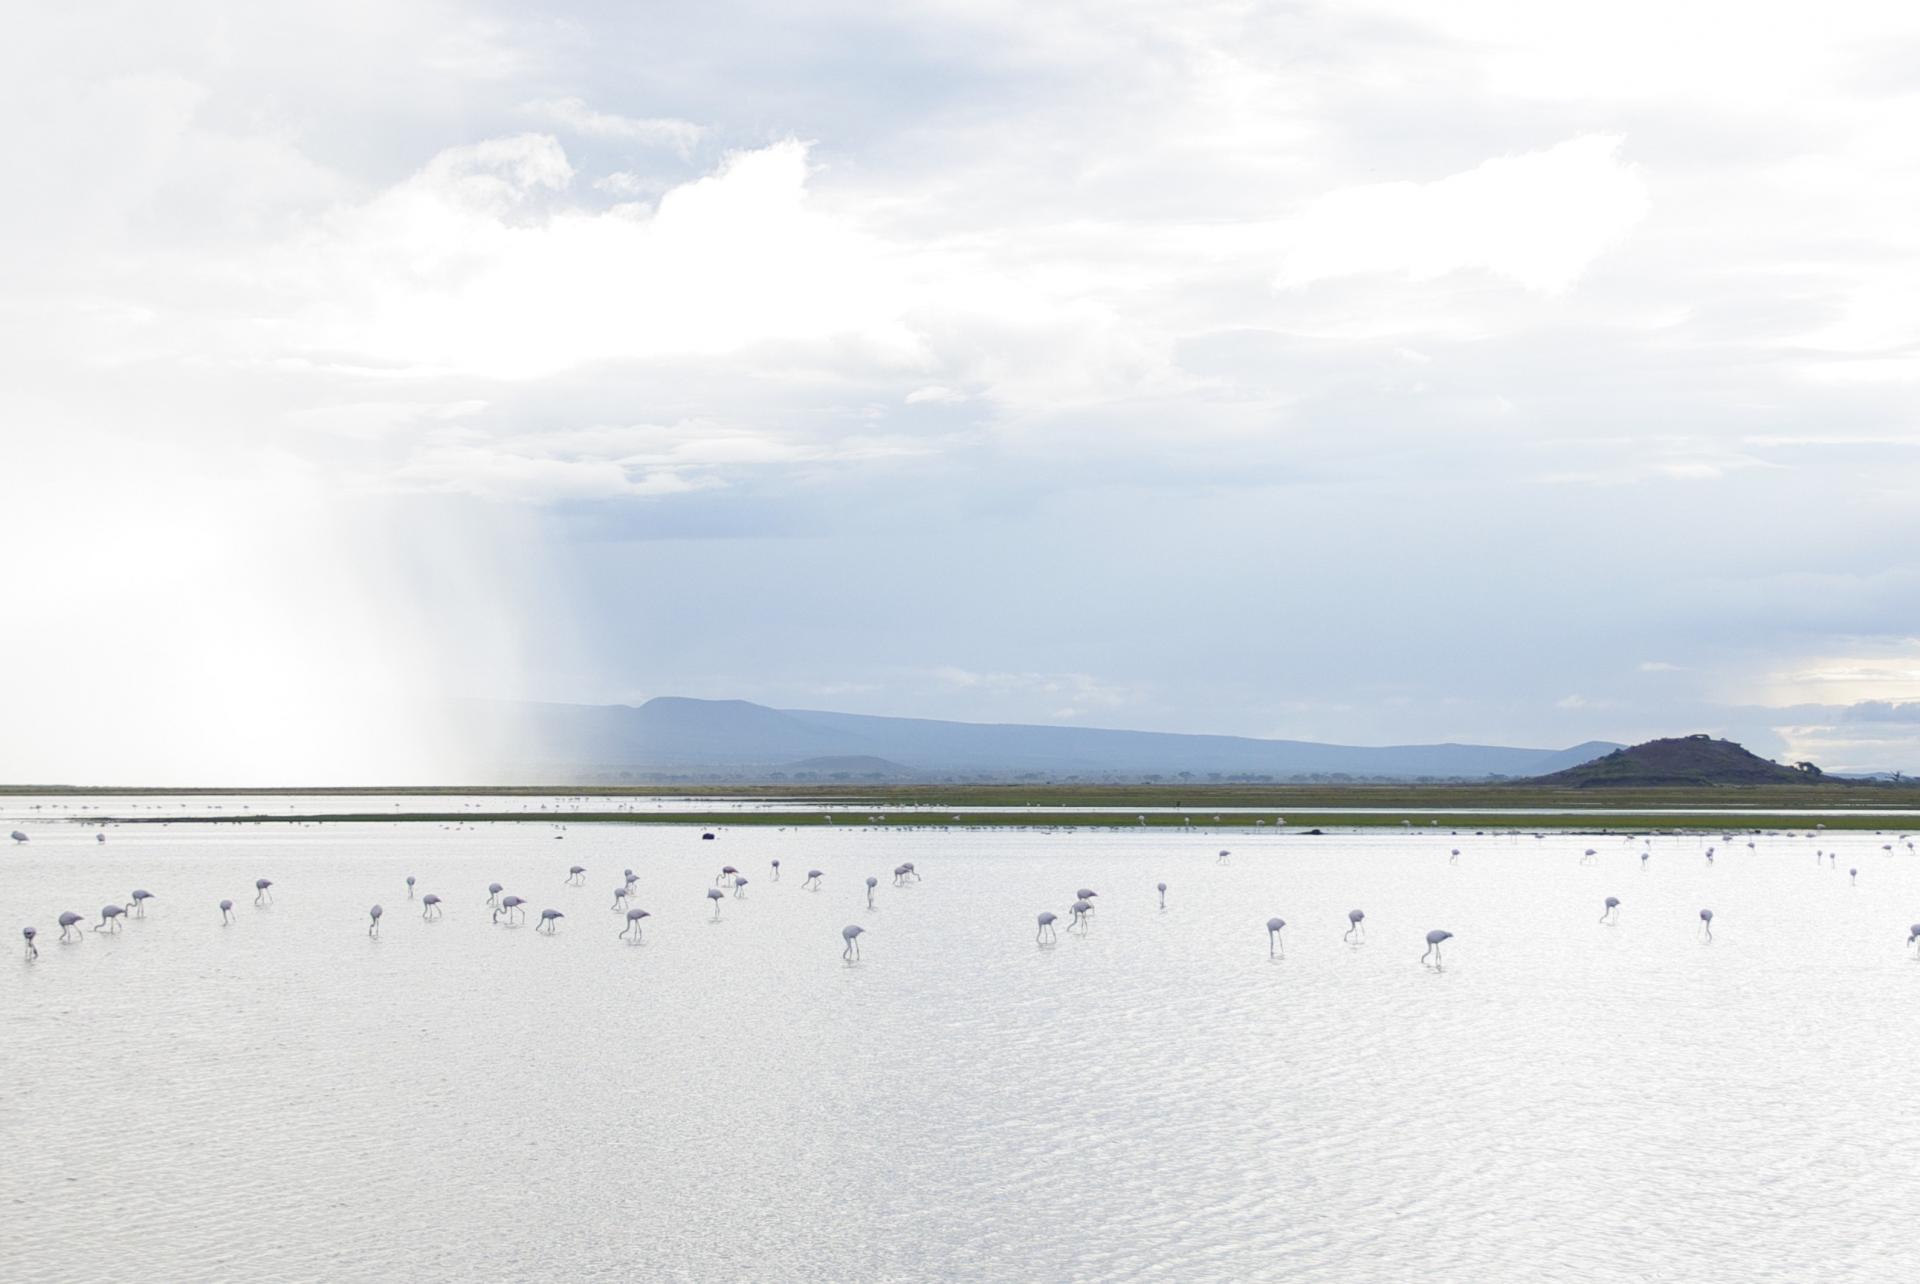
{"points": [[873, 882], [776, 871], [33, 951], [633, 923], [1644, 858], [1433, 945], [226, 912], [509, 905], [1080, 908], [373, 925], [263, 891], [1913, 935], [70, 922], [1223, 857], [493, 895], [1274, 949], [409, 886], [725, 877], [739, 888], [109, 918], [715, 895], [1355, 932], [19, 836], [1453, 857], [577, 875], [138, 905], [851, 935], [1852, 877], [1163, 894], [1048, 918], [1612, 910], [549, 920], [619, 898], [100, 837], [813, 880], [430, 906], [1706, 925]]}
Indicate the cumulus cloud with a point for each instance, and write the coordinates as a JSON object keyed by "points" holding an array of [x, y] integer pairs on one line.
{"points": [[478, 264], [1537, 219]]}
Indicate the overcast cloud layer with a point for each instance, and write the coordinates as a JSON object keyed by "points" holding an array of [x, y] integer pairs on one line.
{"points": [[1380, 372]]}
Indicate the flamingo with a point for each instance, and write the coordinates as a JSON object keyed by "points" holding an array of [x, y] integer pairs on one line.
{"points": [[1433, 945], [851, 935]]}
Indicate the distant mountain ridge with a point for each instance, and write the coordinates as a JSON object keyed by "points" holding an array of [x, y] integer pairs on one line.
{"points": [[737, 737], [1682, 760]]}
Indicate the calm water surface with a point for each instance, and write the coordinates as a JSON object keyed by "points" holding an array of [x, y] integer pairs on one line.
{"points": [[287, 1099]]}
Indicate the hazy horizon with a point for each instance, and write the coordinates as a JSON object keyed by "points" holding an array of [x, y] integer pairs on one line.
{"points": [[1365, 374]]}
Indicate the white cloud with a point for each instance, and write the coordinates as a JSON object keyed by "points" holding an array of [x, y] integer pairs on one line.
{"points": [[470, 267], [575, 116], [1537, 219], [624, 185]]}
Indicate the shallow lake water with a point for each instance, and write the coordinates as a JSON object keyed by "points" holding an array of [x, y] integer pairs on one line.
{"points": [[287, 1099]]}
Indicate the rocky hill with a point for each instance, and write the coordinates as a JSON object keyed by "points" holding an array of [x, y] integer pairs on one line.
{"points": [[1681, 760]]}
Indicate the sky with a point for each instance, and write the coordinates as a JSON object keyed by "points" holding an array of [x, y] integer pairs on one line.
{"points": [[1377, 372]]}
